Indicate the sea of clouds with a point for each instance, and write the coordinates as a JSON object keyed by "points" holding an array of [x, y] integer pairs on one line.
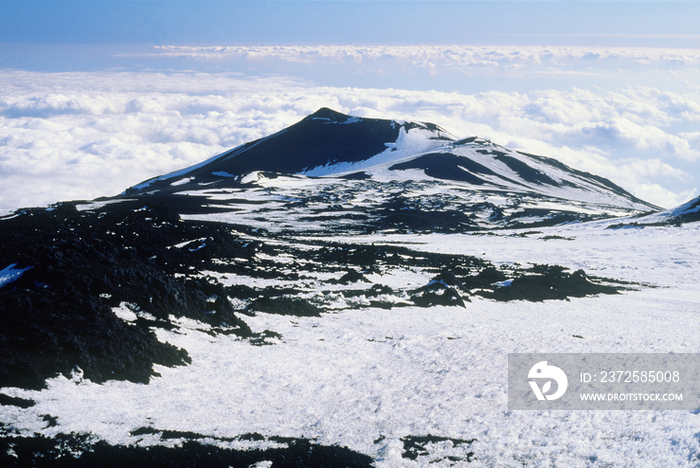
{"points": [[630, 115]]}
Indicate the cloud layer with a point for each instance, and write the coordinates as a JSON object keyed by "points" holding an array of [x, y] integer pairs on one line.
{"points": [[83, 135], [457, 54]]}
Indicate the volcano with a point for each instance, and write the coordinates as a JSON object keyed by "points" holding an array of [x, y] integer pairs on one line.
{"points": [[323, 142], [334, 171]]}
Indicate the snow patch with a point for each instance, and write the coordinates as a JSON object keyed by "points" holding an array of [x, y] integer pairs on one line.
{"points": [[11, 274], [183, 181], [222, 174], [415, 140], [125, 313]]}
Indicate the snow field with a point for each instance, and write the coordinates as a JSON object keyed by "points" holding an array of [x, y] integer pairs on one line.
{"points": [[367, 378]]}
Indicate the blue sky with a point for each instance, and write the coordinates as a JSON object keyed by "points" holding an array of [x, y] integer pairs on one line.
{"points": [[206, 22], [100, 95]]}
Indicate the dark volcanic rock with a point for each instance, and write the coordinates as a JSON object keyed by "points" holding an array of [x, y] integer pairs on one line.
{"points": [[439, 291], [449, 278], [351, 276], [447, 166], [6, 400], [420, 446], [543, 282], [284, 306], [58, 315], [484, 278], [445, 297], [78, 451]]}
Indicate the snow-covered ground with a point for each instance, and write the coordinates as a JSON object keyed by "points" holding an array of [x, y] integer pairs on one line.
{"points": [[367, 378]]}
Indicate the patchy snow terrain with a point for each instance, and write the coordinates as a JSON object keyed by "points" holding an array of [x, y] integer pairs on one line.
{"points": [[364, 315]]}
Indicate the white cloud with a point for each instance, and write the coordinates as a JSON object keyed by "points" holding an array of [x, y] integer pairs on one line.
{"points": [[657, 192], [447, 67], [457, 54], [83, 135]]}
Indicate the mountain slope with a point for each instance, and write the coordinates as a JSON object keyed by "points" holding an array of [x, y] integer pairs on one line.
{"points": [[490, 167], [352, 174], [688, 212], [324, 138]]}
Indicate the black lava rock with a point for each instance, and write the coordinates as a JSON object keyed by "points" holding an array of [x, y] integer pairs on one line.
{"points": [[58, 315]]}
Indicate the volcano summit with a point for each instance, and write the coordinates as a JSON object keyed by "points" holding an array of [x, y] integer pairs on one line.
{"points": [[333, 171]]}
